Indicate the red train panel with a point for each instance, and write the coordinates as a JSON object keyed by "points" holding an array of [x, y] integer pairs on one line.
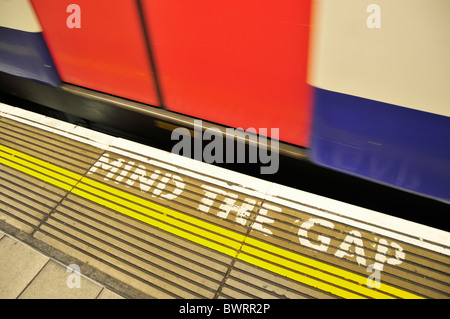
{"points": [[107, 53], [237, 62]]}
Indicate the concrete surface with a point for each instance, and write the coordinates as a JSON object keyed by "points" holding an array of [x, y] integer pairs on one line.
{"points": [[26, 273]]}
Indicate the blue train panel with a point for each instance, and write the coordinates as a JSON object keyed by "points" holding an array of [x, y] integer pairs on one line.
{"points": [[405, 148], [25, 54]]}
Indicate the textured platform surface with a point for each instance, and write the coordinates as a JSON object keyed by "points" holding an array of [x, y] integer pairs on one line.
{"points": [[171, 227]]}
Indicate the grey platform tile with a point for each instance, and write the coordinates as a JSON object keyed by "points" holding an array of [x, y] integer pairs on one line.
{"points": [[55, 282], [19, 264]]}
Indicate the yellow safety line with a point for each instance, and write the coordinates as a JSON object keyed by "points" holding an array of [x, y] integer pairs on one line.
{"points": [[42, 163], [50, 177], [166, 211], [303, 278], [278, 260], [161, 217], [358, 279], [156, 223], [314, 273]]}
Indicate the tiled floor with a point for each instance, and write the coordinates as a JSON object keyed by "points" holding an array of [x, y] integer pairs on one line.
{"points": [[27, 274]]}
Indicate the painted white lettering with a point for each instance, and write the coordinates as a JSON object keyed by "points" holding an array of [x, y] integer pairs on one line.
{"points": [[242, 211], [399, 255], [124, 172], [263, 219], [303, 234], [179, 186], [353, 239], [105, 164], [145, 183]]}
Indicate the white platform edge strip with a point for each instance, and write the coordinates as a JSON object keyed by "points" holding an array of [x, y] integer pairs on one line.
{"points": [[403, 230]]}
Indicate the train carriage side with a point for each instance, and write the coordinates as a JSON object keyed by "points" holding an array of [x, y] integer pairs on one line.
{"points": [[376, 104], [381, 78], [23, 51], [237, 63]]}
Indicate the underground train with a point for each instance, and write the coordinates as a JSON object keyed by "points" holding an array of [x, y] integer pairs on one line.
{"points": [[358, 86]]}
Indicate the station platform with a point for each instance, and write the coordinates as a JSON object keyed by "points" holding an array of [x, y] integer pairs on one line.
{"points": [[144, 223], [26, 273]]}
